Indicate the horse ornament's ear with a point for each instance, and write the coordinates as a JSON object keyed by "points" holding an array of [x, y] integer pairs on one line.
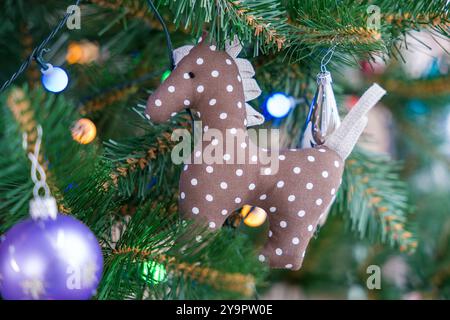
{"points": [[203, 37], [233, 48], [254, 118], [181, 52]]}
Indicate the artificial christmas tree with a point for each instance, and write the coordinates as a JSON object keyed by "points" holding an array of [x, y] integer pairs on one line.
{"points": [[122, 182]]}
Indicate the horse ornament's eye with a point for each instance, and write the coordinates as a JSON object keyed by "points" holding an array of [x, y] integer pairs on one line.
{"points": [[191, 75]]}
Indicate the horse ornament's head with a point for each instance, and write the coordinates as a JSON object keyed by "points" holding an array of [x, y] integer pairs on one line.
{"points": [[214, 83]]}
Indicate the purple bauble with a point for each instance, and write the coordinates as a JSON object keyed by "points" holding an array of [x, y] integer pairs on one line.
{"points": [[50, 260]]}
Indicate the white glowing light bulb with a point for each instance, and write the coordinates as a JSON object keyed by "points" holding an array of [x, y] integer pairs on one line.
{"points": [[278, 105], [54, 79]]}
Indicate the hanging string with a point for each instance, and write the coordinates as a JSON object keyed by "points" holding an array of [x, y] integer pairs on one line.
{"points": [[169, 49], [166, 33], [327, 58], [40, 59], [37, 52], [39, 182]]}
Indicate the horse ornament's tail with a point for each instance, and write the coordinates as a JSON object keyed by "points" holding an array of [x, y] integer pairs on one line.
{"points": [[343, 140]]}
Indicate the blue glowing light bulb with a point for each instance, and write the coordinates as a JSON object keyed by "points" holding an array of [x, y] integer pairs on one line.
{"points": [[278, 105], [54, 79]]}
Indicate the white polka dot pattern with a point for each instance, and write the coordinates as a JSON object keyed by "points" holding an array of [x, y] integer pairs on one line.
{"points": [[295, 192]]}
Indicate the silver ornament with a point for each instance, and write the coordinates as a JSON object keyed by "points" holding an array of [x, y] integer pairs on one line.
{"points": [[323, 117]]}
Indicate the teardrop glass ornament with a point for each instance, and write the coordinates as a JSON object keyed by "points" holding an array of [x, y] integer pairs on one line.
{"points": [[323, 117]]}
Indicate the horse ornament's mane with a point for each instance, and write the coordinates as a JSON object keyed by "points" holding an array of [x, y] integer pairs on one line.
{"points": [[246, 71]]}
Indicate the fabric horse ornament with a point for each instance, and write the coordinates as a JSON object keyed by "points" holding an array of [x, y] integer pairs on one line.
{"points": [[217, 85]]}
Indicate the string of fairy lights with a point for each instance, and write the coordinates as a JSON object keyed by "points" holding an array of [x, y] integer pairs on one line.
{"points": [[54, 78]]}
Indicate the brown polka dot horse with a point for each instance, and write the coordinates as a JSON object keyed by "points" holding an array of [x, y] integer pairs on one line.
{"points": [[217, 85]]}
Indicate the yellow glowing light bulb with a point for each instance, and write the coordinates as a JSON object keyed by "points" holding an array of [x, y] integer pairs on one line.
{"points": [[74, 53], [84, 131], [253, 216], [82, 52]]}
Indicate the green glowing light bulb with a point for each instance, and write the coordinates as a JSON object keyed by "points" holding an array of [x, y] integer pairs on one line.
{"points": [[165, 75], [154, 272]]}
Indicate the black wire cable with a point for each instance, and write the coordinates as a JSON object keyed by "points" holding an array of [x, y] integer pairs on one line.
{"points": [[169, 49], [37, 52], [166, 33]]}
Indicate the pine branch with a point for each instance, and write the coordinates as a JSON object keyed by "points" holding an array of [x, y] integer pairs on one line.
{"points": [[106, 99], [143, 164], [196, 263], [132, 9], [422, 88], [412, 21], [27, 42], [317, 25], [236, 282], [116, 93], [376, 200], [20, 107], [254, 18], [259, 21]]}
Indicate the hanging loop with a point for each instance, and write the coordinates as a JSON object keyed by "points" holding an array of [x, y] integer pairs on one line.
{"points": [[41, 206], [40, 60], [39, 182], [327, 58]]}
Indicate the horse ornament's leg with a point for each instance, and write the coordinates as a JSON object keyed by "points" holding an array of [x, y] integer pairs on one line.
{"points": [[289, 235], [208, 206]]}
